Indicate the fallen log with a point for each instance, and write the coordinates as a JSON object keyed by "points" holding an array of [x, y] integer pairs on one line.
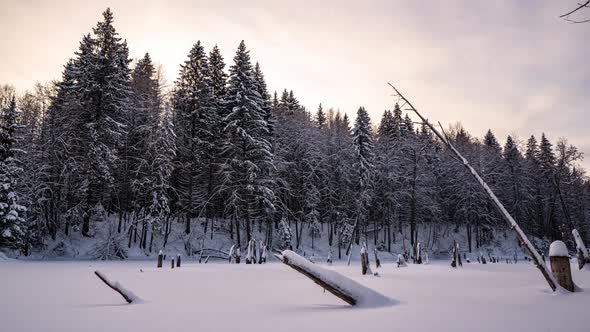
{"points": [[117, 287], [342, 287]]}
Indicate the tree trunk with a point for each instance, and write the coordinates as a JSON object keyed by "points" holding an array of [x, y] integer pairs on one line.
{"points": [[128, 296], [560, 267], [187, 228]]}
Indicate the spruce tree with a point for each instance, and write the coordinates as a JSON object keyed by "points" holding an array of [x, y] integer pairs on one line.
{"points": [[102, 99], [12, 223], [217, 72], [491, 142], [362, 140], [408, 125], [397, 121], [196, 119], [247, 152], [320, 118]]}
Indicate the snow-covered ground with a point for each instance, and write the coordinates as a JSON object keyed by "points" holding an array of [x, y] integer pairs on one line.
{"points": [[67, 296]]}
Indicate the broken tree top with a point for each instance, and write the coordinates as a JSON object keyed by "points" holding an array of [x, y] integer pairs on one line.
{"points": [[558, 249], [362, 296]]}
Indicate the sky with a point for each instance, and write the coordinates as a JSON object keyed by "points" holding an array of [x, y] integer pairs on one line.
{"points": [[510, 66]]}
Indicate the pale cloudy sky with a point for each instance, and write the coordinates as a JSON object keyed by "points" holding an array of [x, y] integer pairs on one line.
{"points": [[512, 66]]}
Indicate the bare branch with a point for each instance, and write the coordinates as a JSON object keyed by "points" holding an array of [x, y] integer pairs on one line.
{"points": [[580, 6]]}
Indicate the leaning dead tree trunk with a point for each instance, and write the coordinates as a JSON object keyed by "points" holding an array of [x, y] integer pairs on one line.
{"points": [[117, 287], [513, 225], [318, 279], [581, 251], [342, 287]]}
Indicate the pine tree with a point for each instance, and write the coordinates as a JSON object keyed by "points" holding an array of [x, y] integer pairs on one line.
{"points": [[12, 223], [102, 99], [513, 181], [246, 150], [140, 122], [362, 140], [533, 171], [546, 155], [162, 152], [196, 119], [320, 118], [266, 102], [490, 141], [219, 83], [217, 72], [386, 126], [408, 125], [397, 121]]}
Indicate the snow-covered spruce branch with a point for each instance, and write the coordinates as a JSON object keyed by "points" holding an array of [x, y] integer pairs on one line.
{"points": [[513, 225]]}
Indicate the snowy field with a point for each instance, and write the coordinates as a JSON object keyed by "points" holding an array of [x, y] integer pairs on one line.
{"points": [[67, 296]]}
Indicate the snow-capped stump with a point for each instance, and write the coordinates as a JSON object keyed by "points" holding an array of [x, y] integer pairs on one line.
{"points": [[581, 251], [560, 265], [251, 252], [456, 258], [128, 295], [401, 262], [262, 253], [417, 255], [377, 260], [342, 287], [365, 264]]}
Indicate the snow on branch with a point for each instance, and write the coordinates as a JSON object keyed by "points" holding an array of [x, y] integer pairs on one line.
{"points": [[344, 288], [117, 287]]}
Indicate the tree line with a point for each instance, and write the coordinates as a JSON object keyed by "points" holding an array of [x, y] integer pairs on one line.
{"points": [[109, 142]]}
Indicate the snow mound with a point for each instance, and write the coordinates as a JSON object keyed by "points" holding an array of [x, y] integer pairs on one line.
{"points": [[365, 297], [558, 249], [3, 257]]}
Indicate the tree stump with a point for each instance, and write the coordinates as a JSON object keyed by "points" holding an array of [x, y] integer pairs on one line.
{"points": [[377, 260], [560, 265], [401, 262], [160, 259], [456, 258], [177, 260], [365, 265]]}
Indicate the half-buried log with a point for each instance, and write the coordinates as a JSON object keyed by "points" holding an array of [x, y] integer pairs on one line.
{"points": [[342, 287], [117, 287]]}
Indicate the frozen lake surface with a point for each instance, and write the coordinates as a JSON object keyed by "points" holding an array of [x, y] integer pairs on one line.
{"points": [[67, 296]]}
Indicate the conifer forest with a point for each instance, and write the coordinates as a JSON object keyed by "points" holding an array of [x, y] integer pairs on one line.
{"points": [[115, 170]]}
